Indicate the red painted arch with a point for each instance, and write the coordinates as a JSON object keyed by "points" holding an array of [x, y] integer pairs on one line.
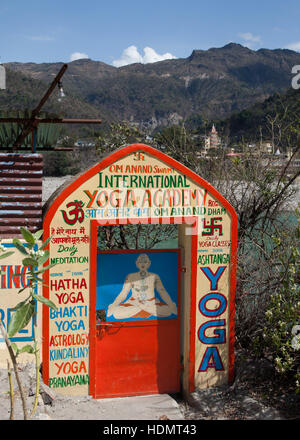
{"points": [[108, 160]]}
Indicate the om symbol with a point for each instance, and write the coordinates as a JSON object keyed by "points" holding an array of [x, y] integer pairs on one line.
{"points": [[76, 212]]}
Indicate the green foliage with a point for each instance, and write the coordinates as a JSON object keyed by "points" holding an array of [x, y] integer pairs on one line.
{"points": [[25, 311], [21, 317], [24, 92], [283, 313], [255, 123], [26, 349], [117, 135], [35, 257], [47, 134], [175, 137], [4, 253], [60, 163]]}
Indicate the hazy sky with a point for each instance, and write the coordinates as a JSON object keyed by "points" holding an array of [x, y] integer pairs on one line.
{"points": [[122, 31]]}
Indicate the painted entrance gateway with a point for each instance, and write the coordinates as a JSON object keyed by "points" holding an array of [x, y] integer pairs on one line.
{"points": [[142, 321]]}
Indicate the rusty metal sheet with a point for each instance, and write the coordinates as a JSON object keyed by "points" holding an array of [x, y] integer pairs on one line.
{"points": [[6, 189], [20, 193], [20, 181]]}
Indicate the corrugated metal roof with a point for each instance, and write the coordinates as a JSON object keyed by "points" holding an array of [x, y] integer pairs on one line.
{"points": [[20, 193]]}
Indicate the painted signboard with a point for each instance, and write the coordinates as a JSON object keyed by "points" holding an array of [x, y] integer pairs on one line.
{"points": [[13, 278], [139, 184]]}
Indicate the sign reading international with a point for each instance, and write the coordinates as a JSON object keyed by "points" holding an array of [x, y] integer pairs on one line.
{"points": [[138, 184]]}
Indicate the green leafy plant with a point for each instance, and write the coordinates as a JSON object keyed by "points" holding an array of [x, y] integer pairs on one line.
{"points": [[4, 253], [47, 134], [34, 257], [283, 314], [118, 134]]}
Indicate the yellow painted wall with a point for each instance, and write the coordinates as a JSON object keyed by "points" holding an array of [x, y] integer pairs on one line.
{"points": [[9, 298]]}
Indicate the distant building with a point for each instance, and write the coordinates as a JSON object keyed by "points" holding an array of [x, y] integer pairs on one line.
{"points": [[267, 147], [213, 137], [212, 140]]}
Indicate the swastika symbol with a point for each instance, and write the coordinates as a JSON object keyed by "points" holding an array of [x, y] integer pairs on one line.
{"points": [[212, 227]]}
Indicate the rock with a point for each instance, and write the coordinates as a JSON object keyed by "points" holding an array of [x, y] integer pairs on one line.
{"points": [[250, 404], [220, 403], [47, 394], [164, 417], [255, 410], [209, 401], [195, 400], [268, 414]]}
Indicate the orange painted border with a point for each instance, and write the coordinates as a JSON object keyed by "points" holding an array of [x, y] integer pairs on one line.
{"points": [[192, 354], [117, 155]]}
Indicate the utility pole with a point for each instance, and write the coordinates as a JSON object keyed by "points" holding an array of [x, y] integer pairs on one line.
{"points": [[31, 124]]}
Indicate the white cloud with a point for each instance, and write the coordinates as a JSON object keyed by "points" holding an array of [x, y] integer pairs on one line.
{"points": [[249, 39], [131, 55], [152, 57], [247, 36], [78, 56], [294, 46]]}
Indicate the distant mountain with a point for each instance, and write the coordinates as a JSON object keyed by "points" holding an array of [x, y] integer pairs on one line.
{"points": [[23, 92], [213, 83], [255, 122]]}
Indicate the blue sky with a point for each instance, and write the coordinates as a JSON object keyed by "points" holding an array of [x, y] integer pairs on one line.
{"points": [[51, 30]]}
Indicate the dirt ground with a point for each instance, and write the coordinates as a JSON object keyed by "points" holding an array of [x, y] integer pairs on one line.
{"points": [[256, 394]]}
